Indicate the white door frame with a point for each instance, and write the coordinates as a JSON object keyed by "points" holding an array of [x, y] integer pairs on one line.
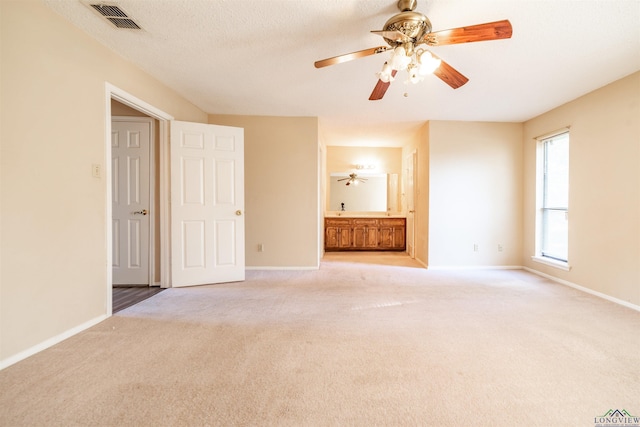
{"points": [[411, 210], [113, 92]]}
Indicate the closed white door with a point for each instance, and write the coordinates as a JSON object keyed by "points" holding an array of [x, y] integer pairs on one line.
{"points": [[130, 145], [207, 204]]}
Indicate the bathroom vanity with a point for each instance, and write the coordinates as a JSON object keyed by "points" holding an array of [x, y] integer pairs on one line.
{"points": [[343, 233]]}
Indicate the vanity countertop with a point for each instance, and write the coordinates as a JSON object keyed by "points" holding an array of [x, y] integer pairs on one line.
{"points": [[347, 214]]}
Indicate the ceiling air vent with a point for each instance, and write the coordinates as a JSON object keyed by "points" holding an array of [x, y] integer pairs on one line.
{"points": [[115, 15]]}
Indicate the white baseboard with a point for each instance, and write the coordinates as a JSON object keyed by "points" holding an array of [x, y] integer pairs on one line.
{"points": [[49, 342], [583, 289], [475, 267]]}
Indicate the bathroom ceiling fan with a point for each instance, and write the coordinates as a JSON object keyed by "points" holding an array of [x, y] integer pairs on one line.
{"points": [[353, 179], [408, 35]]}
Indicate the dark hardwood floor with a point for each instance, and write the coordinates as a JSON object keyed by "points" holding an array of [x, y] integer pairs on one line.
{"points": [[124, 297]]}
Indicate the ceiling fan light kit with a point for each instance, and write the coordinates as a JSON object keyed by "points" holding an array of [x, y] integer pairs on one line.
{"points": [[417, 61], [408, 35]]}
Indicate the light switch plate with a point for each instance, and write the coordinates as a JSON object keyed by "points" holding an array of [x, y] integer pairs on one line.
{"points": [[96, 171]]}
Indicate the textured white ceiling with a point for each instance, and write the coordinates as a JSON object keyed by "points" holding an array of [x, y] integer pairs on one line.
{"points": [[255, 57]]}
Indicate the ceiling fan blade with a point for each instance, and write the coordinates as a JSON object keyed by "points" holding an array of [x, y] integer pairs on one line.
{"points": [[449, 75], [396, 36], [475, 33], [350, 56], [381, 88]]}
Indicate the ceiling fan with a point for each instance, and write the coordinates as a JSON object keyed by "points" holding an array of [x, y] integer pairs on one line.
{"points": [[408, 34], [353, 179]]}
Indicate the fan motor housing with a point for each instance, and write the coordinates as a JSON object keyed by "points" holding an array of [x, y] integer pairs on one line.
{"points": [[412, 24]]}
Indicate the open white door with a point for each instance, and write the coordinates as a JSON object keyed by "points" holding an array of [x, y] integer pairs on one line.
{"points": [[207, 204]]}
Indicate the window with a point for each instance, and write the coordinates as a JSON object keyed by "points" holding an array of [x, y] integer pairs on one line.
{"points": [[553, 206]]}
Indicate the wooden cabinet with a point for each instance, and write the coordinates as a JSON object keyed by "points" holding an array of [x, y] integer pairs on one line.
{"points": [[392, 234], [364, 234], [337, 234]]}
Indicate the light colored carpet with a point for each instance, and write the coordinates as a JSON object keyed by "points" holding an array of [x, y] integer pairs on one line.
{"points": [[355, 343]]}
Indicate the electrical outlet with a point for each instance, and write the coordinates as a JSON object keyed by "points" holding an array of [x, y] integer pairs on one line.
{"points": [[475, 247], [260, 247], [499, 248]]}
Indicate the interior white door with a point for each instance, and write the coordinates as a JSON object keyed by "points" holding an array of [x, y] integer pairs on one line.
{"points": [[130, 145], [410, 179], [207, 204]]}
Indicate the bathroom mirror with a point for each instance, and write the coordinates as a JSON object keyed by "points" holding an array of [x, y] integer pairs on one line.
{"points": [[378, 193]]}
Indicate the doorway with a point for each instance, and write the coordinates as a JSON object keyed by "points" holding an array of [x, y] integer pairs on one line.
{"points": [[121, 103], [222, 167], [133, 193]]}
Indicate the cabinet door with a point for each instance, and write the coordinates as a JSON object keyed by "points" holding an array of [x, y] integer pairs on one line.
{"points": [[337, 233], [365, 237], [359, 236], [386, 237], [331, 237], [392, 233], [337, 237], [371, 238], [399, 235], [392, 237], [344, 237]]}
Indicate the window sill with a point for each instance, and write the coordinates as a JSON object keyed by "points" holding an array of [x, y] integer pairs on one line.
{"points": [[552, 262]]}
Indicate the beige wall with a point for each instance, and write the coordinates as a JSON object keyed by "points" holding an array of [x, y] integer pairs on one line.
{"points": [[282, 185], [52, 210], [475, 194], [604, 195]]}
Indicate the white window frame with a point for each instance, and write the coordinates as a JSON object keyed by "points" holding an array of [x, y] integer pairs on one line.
{"points": [[540, 208]]}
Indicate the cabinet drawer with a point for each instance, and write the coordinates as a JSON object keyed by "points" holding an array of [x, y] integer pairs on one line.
{"points": [[365, 221], [392, 221], [337, 222]]}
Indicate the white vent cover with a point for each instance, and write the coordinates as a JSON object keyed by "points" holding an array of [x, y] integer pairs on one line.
{"points": [[114, 14]]}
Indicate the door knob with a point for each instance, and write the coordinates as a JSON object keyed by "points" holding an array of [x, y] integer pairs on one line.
{"points": [[238, 212], [142, 212]]}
